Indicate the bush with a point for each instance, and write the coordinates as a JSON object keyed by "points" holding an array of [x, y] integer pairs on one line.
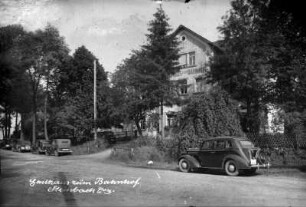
{"points": [[208, 115], [122, 155], [146, 153]]}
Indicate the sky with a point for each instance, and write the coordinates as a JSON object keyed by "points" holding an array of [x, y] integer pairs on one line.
{"points": [[111, 29]]}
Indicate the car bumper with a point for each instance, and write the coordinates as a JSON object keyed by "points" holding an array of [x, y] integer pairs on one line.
{"points": [[64, 151], [266, 165]]}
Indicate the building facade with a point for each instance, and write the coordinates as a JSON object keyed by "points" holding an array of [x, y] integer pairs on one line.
{"points": [[195, 54]]}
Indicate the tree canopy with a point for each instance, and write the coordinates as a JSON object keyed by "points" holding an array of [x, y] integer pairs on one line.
{"points": [[144, 77], [263, 61]]}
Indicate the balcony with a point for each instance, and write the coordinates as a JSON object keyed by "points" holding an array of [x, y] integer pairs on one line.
{"points": [[190, 70]]}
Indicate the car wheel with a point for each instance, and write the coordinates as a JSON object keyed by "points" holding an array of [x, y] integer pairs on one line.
{"points": [[184, 165], [231, 168], [250, 171]]}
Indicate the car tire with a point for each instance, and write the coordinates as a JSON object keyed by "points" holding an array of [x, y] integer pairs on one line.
{"points": [[184, 165], [231, 168]]}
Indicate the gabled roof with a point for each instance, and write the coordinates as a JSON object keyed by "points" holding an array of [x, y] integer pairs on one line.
{"points": [[183, 28]]}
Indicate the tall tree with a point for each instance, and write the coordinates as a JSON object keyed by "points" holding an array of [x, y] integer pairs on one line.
{"points": [[77, 82], [162, 55], [41, 53], [263, 60], [55, 52], [10, 72], [132, 86]]}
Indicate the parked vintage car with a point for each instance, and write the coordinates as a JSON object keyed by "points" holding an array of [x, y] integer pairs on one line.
{"points": [[22, 146], [42, 145], [231, 154], [6, 146], [59, 147]]}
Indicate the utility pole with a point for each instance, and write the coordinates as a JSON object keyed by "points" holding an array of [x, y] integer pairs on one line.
{"points": [[95, 101], [160, 3]]}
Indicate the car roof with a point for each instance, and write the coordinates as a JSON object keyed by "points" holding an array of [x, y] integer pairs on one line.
{"points": [[225, 137]]}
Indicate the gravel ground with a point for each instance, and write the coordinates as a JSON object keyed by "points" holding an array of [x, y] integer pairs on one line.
{"points": [[88, 180]]}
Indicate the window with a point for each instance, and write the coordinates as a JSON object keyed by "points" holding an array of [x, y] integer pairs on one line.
{"points": [[183, 88], [191, 58], [228, 144], [207, 145], [183, 61], [170, 118], [187, 59], [246, 143], [220, 144], [183, 38], [143, 124]]}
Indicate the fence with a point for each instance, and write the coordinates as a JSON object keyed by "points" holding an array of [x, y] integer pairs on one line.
{"points": [[277, 141], [281, 150]]}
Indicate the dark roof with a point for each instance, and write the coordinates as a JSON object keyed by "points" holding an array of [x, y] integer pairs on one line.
{"points": [[213, 45]]}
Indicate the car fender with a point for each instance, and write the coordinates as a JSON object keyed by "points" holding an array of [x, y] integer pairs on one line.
{"points": [[241, 163], [193, 161]]}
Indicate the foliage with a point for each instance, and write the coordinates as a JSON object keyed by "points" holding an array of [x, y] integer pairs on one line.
{"points": [[295, 123], [263, 59], [40, 53], [242, 69], [143, 79], [162, 55], [210, 115], [13, 85], [76, 114], [8, 67]]}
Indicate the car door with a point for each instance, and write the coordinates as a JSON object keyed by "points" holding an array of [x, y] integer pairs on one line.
{"points": [[219, 151], [207, 154]]}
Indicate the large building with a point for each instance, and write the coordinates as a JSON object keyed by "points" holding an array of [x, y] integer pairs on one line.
{"points": [[195, 54]]}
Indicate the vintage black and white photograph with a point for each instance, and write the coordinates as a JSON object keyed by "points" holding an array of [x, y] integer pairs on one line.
{"points": [[152, 103]]}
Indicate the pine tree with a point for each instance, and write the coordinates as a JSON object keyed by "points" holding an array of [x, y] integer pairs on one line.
{"points": [[162, 60]]}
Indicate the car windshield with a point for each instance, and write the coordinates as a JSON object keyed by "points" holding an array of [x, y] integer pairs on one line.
{"points": [[246, 143]]}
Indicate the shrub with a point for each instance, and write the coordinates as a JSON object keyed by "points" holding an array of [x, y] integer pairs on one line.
{"points": [[122, 155], [209, 115], [146, 153]]}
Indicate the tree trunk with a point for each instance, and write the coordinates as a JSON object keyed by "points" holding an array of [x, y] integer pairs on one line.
{"points": [[45, 118], [5, 124], [9, 125], [34, 128], [34, 120], [162, 127], [138, 127], [16, 122], [3, 131], [21, 127]]}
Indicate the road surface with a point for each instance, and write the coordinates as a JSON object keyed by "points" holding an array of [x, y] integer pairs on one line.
{"points": [[38, 180]]}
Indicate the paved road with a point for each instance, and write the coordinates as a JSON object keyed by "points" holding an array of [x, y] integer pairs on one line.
{"points": [[38, 180]]}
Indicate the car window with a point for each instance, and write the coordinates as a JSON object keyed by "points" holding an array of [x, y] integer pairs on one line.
{"points": [[220, 144], [207, 145], [228, 144], [246, 143]]}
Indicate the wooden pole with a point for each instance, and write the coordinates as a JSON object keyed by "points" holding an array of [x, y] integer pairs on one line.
{"points": [[95, 101]]}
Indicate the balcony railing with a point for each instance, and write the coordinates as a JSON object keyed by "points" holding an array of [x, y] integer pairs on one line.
{"points": [[190, 71]]}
